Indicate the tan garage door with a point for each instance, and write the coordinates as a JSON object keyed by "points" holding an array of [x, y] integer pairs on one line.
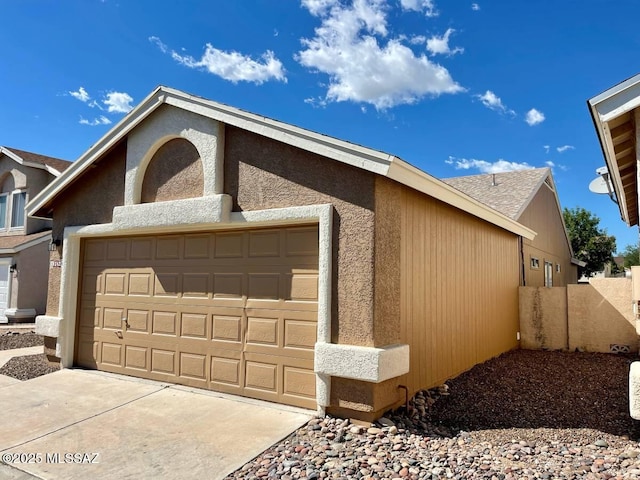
{"points": [[231, 311]]}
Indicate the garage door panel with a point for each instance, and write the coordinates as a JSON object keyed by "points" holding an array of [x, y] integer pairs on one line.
{"points": [[163, 361], [136, 357], [111, 353], [234, 311], [299, 382], [193, 366], [140, 284]]}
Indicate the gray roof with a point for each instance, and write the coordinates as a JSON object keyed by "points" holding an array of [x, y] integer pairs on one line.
{"points": [[511, 192]]}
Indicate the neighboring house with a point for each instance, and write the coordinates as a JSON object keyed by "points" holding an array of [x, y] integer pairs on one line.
{"points": [[24, 256], [207, 246], [530, 198]]}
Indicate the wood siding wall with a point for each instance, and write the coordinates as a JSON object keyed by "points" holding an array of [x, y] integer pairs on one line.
{"points": [[459, 290], [550, 244]]}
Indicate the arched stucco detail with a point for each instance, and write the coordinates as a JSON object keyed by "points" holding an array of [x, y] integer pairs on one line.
{"points": [[13, 180], [7, 183], [165, 124], [174, 172]]}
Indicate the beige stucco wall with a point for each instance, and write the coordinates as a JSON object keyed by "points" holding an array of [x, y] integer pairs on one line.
{"points": [[543, 318], [591, 317], [601, 315], [80, 204], [30, 281]]}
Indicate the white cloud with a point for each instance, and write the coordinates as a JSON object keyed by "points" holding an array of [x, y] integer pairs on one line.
{"points": [[483, 166], [564, 148], [428, 6], [546, 148], [81, 94], [346, 47], [101, 120], [232, 66], [317, 7], [418, 40], [492, 101], [550, 164], [475, 7], [118, 102], [440, 45], [534, 117]]}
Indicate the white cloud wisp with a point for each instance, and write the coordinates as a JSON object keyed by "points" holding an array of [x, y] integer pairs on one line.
{"points": [[231, 66], [499, 166], [440, 45], [493, 102]]}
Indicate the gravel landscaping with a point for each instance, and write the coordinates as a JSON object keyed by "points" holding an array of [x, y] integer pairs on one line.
{"points": [[26, 367], [15, 339], [523, 415]]}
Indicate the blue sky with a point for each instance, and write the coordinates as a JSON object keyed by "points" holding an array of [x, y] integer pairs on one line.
{"points": [[454, 87]]}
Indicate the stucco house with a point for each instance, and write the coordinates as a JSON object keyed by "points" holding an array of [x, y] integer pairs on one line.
{"points": [[24, 242], [204, 245], [530, 198]]}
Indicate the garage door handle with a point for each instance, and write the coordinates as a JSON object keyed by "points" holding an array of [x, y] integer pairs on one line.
{"points": [[118, 334]]}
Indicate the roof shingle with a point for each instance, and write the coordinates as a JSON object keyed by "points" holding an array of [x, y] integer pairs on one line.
{"points": [[510, 193]]}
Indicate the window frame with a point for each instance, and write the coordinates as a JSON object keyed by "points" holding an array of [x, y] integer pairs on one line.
{"points": [[11, 219]]}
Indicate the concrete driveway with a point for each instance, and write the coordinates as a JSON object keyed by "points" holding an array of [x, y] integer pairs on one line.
{"points": [[77, 424]]}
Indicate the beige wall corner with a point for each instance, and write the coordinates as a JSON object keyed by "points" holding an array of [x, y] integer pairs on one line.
{"points": [[543, 318], [368, 364], [634, 390], [601, 317]]}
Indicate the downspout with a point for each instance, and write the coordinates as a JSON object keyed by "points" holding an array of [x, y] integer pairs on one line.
{"points": [[522, 267]]}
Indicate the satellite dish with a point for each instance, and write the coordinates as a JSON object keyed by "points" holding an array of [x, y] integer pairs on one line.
{"points": [[599, 185]]}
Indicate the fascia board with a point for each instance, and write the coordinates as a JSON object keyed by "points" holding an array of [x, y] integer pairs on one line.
{"points": [[349, 153], [411, 176], [24, 246], [148, 105]]}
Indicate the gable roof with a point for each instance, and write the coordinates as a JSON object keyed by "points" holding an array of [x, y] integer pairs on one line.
{"points": [[508, 192], [361, 157], [55, 166], [511, 193], [615, 116]]}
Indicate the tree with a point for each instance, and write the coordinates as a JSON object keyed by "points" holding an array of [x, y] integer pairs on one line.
{"points": [[631, 255], [590, 243]]}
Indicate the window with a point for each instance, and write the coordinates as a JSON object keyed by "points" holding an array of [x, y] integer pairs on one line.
{"points": [[3, 210], [548, 274], [535, 263], [12, 214], [19, 201]]}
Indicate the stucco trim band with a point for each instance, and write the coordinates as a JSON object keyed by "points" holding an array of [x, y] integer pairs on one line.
{"points": [[70, 276], [48, 326], [370, 364], [190, 211]]}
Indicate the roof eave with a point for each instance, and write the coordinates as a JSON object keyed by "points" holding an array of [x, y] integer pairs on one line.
{"points": [[605, 107]]}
